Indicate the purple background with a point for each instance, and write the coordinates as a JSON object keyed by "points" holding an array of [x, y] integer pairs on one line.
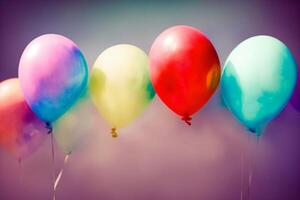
{"points": [[158, 156]]}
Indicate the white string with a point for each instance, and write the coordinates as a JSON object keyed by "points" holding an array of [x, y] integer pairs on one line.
{"points": [[252, 164], [57, 181], [53, 165], [242, 174]]}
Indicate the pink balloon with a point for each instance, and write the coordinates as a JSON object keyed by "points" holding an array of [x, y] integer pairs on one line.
{"points": [[21, 132]]}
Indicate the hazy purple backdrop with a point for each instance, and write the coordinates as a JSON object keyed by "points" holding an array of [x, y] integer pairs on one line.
{"points": [[158, 156]]}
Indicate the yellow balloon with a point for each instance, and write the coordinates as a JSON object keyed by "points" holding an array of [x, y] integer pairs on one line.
{"points": [[120, 84]]}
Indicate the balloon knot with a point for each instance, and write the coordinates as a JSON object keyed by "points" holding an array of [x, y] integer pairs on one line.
{"points": [[49, 127], [252, 130], [187, 119], [114, 133]]}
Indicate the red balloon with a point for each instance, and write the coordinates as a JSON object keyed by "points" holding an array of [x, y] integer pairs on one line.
{"points": [[184, 69], [21, 132]]}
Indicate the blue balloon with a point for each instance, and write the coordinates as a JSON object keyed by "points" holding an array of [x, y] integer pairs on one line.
{"points": [[257, 81]]}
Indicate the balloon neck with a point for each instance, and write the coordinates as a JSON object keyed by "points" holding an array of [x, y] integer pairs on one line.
{"points": [[114, 133], [187, 119], [252, 130], [49, 127], [255, 131]]}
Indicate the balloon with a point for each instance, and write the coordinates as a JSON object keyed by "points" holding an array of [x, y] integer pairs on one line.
{"points": [[76, 124], [257, 81], [184, 69], [295, 100], [120, 85], [21, 132], [53, 74]]}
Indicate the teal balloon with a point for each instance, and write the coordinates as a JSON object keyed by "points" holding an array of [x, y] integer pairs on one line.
{"points": [[257, 81]]}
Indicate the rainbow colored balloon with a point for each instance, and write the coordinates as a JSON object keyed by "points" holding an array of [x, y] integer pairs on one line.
{"points": [[53, 74], [21, 132], [257, 80], [120, 85]]}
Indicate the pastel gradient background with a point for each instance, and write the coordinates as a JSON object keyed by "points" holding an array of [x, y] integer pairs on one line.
{"points": [[158, 156]]}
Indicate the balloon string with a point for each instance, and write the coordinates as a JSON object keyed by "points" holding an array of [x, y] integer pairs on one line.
{"points": [[254, 161], [252, 164], [50, 130], [57, 181], [249, 168], [21, 174], [53, 165], [249, 180], [242, 174]]}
